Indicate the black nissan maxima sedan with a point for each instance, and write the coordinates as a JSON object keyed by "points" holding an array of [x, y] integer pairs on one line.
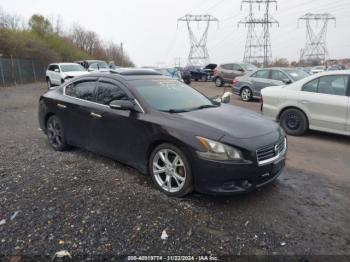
{"points": [[165, 128]]}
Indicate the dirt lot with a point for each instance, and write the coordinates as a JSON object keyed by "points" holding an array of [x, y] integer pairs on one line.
{"points": [[88, 204]]}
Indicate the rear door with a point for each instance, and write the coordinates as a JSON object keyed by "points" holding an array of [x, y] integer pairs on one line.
{"points": [[56, 76], [278, 77], [348, 121], [326, 101], [227, 71], [237, 71], [75, 111], [260, 79]]}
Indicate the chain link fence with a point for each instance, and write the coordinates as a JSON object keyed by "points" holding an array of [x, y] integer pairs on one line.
{"points": [[14, 71]]}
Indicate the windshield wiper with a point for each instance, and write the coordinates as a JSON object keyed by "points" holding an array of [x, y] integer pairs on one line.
{"points": [[174, 111], [203, 106]]}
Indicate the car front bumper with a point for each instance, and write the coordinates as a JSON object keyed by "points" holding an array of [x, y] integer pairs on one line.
{"points": [[220, 178]]}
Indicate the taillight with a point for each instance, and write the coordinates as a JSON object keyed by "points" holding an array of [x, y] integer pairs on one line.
{"points": [[216, 72], [234, 82], [261, 103]]}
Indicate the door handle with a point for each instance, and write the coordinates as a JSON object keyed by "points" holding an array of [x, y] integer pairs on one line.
{"points": [[95, 115], [61, 106], [305, 101]]}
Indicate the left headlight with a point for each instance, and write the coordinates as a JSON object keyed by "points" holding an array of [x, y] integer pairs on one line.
{"points": [[218, 151]]}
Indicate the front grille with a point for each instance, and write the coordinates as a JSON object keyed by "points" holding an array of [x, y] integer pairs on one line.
{"points": [[269, 153]]}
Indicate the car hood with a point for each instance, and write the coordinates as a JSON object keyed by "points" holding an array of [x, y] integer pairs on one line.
{"points": [[231, 120], [210, 66]]}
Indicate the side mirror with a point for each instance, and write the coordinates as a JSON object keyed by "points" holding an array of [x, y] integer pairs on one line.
{"points": [[122, 105], [57, 70], [287, 81]]}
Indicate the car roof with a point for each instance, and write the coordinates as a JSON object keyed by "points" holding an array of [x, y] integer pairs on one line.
{"points": [[129, 74], [65, 63]]}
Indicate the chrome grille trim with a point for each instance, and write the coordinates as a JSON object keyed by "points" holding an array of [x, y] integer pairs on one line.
{"points": [[268, 154]]}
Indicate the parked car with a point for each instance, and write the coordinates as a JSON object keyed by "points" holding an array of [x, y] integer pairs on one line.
{"points": [[166, 129], [201, 73], [185, 74], [95, 65], [250, 85], [226, 73], [336, 67], [318, 102], [58, 73], [317, 69], [171, 72]]}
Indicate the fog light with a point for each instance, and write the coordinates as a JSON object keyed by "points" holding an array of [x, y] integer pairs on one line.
{"points": [[246, 184]]}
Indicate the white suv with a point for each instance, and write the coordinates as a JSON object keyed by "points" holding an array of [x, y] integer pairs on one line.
{"points": [[57, 73]]}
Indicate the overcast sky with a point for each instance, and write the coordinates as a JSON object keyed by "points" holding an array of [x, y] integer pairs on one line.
{"points": [[148, 28]]}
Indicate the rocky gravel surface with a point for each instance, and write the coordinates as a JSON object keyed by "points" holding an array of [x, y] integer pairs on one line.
{"points": [[91, 205]]}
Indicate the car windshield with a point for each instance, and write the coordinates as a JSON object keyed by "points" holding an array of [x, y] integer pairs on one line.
{"points": [[249, 67], [171, 95], [297, 74], [72, 68]]}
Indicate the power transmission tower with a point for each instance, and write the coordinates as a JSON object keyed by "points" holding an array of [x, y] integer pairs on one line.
{"points": [[198, 52], [315, 48], [258, 43]]}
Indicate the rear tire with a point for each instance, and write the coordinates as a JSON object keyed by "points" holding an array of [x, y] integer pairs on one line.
{"points": [[55, 133], [170, 170], [294, 122], [219, 82], [246, 94]]}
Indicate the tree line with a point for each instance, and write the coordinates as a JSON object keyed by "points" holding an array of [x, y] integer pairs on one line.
{"points": [[43, 38]]}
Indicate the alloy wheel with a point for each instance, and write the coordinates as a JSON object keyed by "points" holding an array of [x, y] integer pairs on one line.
{"points": [[246, 94], [169, 170], [54, 133]]}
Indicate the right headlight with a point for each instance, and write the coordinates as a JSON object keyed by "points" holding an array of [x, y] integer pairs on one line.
{"points": [[214, 150]]}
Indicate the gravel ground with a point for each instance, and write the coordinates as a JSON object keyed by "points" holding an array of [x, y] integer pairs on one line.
{"points": [[91, 205]]}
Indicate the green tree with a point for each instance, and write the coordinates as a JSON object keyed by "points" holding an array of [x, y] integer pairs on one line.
{"points": [[40, 25]]}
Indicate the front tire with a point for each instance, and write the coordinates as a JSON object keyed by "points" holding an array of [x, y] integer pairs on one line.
{"points": [[294, 122], [246, 94], [170, 170], [55, 134]]}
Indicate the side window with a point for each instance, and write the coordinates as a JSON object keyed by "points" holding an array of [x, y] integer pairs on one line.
{"points": [[51, 68], [261, 74], [278, 75], [236, 67], [333, 85], [83, 89], [311, 86], [107, 92], [227, 66]]}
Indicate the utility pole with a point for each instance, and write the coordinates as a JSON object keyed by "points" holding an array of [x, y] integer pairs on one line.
{"points": [[258, 42], [198, 52], [122, 53], [315, 49]]}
